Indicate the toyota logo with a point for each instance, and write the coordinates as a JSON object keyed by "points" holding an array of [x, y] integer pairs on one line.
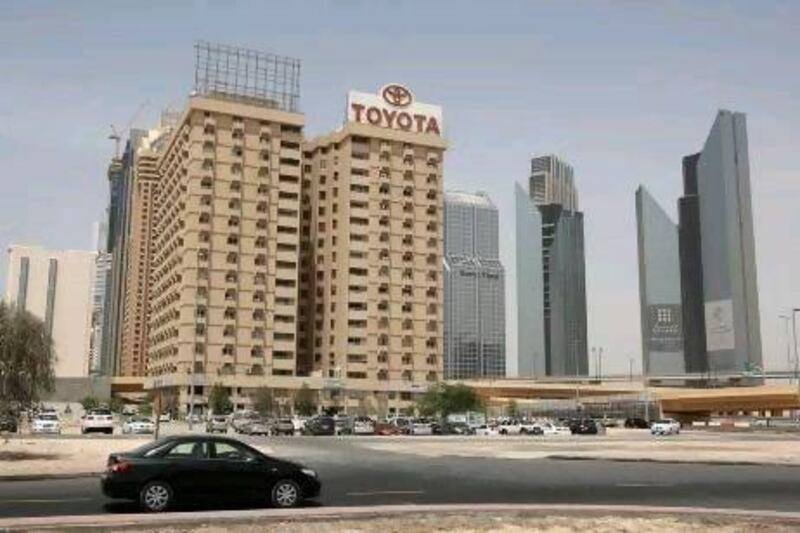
{"points": [[397, 95]]}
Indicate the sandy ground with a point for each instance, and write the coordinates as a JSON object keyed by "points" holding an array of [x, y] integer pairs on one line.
{"points": [[34, 456], [499, 523], [704, 447]]}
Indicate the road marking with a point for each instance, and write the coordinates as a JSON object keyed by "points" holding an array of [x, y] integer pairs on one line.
{"points": [[59, 500], [385, 493], [639, 485]]}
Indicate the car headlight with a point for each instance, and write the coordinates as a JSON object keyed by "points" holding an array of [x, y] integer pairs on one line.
{"points": [[309, 472]]}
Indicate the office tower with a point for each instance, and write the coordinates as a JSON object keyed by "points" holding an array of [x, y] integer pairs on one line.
{"points": [[55, 286], [474, 288], [552, 182], [102, 270], [146, 148], [372, 251], [659, 288], [531, 354], [116, 247], [224, 273], [717, 249], [562, 284]]}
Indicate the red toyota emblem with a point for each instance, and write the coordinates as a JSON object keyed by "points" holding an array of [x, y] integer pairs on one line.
{"points": [[397, 95]]}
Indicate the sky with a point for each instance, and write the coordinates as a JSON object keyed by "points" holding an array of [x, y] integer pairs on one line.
{"points": [[621, 90]]}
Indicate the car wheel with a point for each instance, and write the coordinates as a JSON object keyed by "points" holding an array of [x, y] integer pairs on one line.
{"points": [[503, 432], [523, 431], [155, 496], [286, 493]]}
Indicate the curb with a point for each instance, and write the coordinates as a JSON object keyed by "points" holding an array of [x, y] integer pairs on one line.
{"points": [[337, 513], [45, 477], [667, 461]]}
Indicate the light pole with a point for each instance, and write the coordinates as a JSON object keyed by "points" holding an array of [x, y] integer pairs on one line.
{"points": [[600, 364], [786, 319], [630, 369], [794, 340]]}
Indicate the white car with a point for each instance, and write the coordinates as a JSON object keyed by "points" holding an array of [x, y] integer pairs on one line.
{"points": [[46, 423], [554, 430], [138, 425], [98, 420], [363, 425], [510, 427], [420, 427], [485, 430], [666, 426]]}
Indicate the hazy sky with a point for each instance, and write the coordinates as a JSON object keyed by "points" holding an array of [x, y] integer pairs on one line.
{"points": [[622, 90]]}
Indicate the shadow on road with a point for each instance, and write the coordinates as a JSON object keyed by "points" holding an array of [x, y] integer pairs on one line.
{"points": [[126, 507]]}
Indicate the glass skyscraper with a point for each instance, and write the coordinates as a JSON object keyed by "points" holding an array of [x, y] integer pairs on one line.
{"points": [[551, 285], [659, 288], [716, 270], [474, 289]]}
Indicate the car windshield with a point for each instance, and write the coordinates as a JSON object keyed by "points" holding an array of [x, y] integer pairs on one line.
{"points": [[100, 412], [48, 417]]}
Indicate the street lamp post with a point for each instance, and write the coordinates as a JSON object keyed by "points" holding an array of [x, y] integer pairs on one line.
{"points": [[786, 319], [794, 340], [600, 364]]}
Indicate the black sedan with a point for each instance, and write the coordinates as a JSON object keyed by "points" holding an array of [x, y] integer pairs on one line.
{"points": [[191, 468]]}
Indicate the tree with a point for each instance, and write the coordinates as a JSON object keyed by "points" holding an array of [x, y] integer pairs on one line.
{"points": [[219, 399], [146, 409], [116, 404], [513, 409], [26, 359], [90, 402], [444, 399], [304, 402], [264, 401]]}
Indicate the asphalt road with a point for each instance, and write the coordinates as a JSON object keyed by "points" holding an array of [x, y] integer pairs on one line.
{"points": [[352, 475]]}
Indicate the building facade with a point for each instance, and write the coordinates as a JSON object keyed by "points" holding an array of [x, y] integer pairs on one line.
{"points": [[562, 284], [56, 287], [718, 270], [102, 270], [137, 257], [659, 288], [474, 289], [371, 281]]}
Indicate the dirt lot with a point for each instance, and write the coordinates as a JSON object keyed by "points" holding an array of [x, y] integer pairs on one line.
{"points": [[505, 523]]}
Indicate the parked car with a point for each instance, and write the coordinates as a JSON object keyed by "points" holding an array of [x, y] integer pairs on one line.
{"points": [[637, 423], [666, 426], [585, 426], [487, 430], [550, 429], [387, 429], [200, 467], [344, 425], [421, 427], [510, 427], [98, 420], [240, 419], [46, 423], [138, 425], [283, 426], [456, 428], [363, 425], [257, 426], [403, 424], [217, 424], [531, 428], [9, 423], [320, 425]]}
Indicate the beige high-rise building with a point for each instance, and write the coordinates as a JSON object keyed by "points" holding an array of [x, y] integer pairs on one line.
{"points": [[147, 146], [371, 285], [225, 247], [56, 287]]}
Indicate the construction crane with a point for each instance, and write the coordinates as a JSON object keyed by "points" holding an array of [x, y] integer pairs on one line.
{"points": [[116, 135]]}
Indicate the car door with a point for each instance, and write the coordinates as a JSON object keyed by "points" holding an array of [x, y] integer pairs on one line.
{"points": [[190, 469], [240, 472]]}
